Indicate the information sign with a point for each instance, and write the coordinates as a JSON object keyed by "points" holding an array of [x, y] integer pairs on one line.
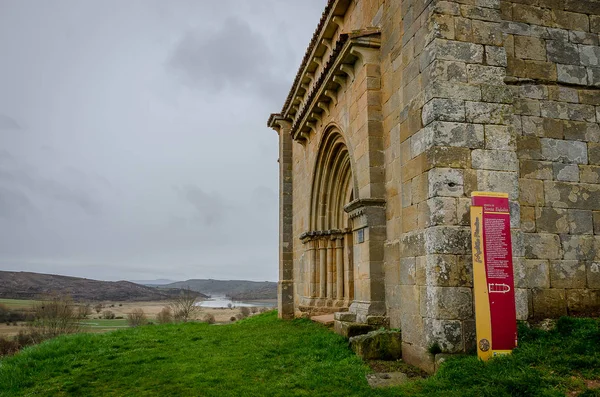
{"points": [[495, 313]]}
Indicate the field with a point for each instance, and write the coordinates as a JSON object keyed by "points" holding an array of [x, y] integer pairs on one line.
{"points": [[264, 356]]}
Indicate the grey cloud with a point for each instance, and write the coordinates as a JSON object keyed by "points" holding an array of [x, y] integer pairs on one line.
{"points": [[8, 123], [210, 207], [232, 56]]}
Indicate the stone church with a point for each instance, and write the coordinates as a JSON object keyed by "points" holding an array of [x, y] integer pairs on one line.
{"points": [[399, 111]]}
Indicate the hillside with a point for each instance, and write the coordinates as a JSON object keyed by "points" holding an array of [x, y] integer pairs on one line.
{"points": [[235, 289], [25, 285]]}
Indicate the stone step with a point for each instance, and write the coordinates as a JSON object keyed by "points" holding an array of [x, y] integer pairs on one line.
{"points": [[325, 319]]}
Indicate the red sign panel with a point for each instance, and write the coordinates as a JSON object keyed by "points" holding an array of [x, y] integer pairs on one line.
{"points": [[493, 274]]}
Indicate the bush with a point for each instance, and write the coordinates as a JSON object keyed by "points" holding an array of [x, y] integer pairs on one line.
{"points": [[8, 346], [208, 318], [232, 318], [55, 315], [108, 315], [83, 311], [165, 316], [254, 309], [136, 318], [244, 311], [98, 308]]}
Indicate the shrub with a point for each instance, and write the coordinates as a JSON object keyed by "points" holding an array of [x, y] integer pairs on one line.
{"points": [[239, 316], [244, 311], [209, 318], [98, 308], [254, 309], [55, 315], [184, 305], [83, 311], [136, 318], [8, 346], [232, 318], [165, 316], [108, 315]]}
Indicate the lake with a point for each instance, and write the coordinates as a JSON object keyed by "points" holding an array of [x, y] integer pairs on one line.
{"points": [[223, 301]]}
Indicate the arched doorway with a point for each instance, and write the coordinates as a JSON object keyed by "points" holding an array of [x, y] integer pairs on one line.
{"points": [[328, 276]]}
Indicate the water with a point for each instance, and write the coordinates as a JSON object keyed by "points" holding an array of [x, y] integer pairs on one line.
{"points": [[223, 301]]}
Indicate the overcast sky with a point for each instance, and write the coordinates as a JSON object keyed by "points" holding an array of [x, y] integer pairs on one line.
{"points": [[133, 138]]}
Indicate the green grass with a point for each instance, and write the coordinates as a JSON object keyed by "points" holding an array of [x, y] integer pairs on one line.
{"points": [[18, 303], [263, 356], [102, 324]]}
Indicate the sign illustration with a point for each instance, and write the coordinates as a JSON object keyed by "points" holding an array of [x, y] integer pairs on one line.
{"points": [[495, 313]]}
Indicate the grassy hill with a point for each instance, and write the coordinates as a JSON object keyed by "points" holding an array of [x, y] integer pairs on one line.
{"points": [[235, 289], [263, 356], [26, 285]]}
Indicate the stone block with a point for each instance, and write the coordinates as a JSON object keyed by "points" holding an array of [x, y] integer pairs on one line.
{"points": [[413, 244], [349, 329], [551, 220], [564, 151], [449, 50], [378, 345], [488, 113], [452, 89], [580, 222], [445, 182], [583, 301], [447, 271], [567, 274], [495, 55], [572, 74], [498, 160], [596, 220], [444, 110], [447, 240], [562, 52], [529, 148], [549, 303], [522, 303], [532, 169], [380, 380], [580, 131], [528, 47], [592, 270], [497, 93], [417, 355], [594, 24], [531, 192], [578, 247], [594, 153], [437, 211], [571, 195], [565, 172], [568, 111], [589, 55], [518, 242], [537, 273], [499, 181], [448, 157], [593, 77], [570, 20], [482, 74], [590, 97], [527, 107], [528, 219], [542, 246], [449, 303], [407, 271], [442, 133], [589, 173], [499, 137], [519, 272], [446, 333]]}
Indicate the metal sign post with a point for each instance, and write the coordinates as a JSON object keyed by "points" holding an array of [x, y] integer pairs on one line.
{"points": [[493, 279]]}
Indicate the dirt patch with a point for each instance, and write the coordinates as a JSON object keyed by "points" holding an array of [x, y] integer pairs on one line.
{"points": [[397, 366]]}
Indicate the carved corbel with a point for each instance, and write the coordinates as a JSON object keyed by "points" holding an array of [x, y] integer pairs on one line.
{"points": [[327, 43], [332, 95], [318, 60], [365, 55], [304, 86], [311, 125], [316, 116], [339, 21], [348, 69], [341, 80], [311, 76], [324, 106]]}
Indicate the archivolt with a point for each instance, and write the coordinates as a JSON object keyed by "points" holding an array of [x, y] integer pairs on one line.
{"points": [[332, 184]]}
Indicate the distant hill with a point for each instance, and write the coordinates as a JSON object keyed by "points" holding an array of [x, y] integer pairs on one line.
{"points": [[25, 285], [235, 289], [160, 281]]}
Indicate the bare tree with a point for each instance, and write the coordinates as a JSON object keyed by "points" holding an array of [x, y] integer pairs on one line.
{"points": [[245, 311], [84, 310], [137, 317], [98, 308], [184, 306], [165, 316], [55, 315]]}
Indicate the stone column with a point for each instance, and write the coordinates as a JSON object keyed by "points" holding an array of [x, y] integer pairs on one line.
{"points": [[322, 268], [349, 269], [285, 288], [339, 262], [312, 259], [330, 258]]}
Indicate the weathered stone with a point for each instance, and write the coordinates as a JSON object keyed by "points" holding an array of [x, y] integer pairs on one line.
{"points": [[499, 181], [444, 133], [570, 195], [484, 112], [532, 169], [580, 222], [444, 110], [496, 94], [551, 220], [567, 274], [583, 301], [596, 220], [498, 160], [594, 153], [529, 47], [590, 173], [529, 148], [580, 131], [447, 240], [564, 151], [378, 345], [446, 333], [451, 51], [527, 107], [565, 172], [446, 271], [522, 303], [495, 55], [350, 329], [570, 20], [578, 247], [499, 137], [531, 192], [437, 211], [542, 246], [386, 379], [590, 54], [537, 273], [592, 270], [562, 52], [446, 182], [549, 303], [481, 74], [528, 219]]}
